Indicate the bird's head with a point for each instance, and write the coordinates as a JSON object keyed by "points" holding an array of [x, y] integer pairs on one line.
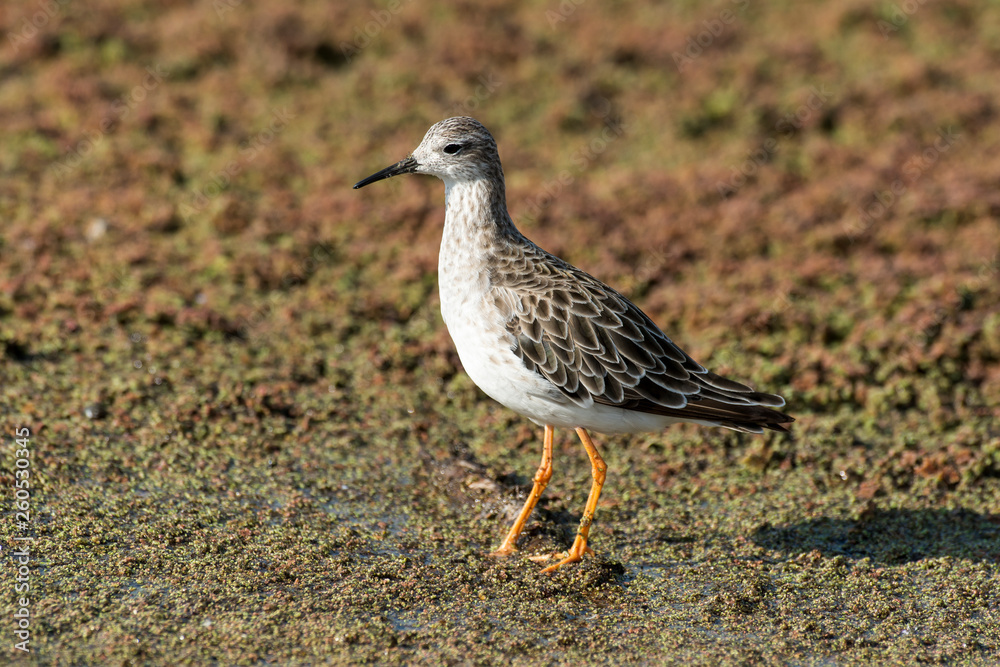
{"points": [[455, 150]]}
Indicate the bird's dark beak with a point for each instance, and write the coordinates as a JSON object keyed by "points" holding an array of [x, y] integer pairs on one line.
{"points": [[404, 166]]}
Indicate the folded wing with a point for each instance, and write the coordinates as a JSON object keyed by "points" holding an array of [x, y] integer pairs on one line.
{"points": [[597, 347]]}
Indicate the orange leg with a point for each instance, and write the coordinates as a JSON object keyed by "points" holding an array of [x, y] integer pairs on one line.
{"points": [[542, 477], [598, 469]]}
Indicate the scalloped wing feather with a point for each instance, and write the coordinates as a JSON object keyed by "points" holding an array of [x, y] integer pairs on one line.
{"points": [[596, 346]]}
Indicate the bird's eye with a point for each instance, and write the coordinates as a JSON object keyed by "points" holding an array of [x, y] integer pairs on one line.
{"points": [[451, 149]]}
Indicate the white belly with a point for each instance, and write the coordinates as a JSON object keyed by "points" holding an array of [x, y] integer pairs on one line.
{"points": [[486, 351]]}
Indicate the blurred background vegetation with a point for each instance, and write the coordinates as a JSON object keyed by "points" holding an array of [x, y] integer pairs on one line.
{"points": [[245, 407]]}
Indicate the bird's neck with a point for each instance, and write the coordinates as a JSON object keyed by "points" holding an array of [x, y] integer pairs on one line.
{"points": [[477, 228], [476, 217]]}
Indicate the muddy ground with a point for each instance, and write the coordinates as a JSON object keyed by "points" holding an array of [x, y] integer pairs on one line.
{"points": [[252, 443]]}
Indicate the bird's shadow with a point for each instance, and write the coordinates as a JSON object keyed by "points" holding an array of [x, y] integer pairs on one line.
{"points": [[891, 536]]}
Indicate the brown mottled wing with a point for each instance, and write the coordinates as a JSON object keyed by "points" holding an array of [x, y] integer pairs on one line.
{"points": [[597, 346]]}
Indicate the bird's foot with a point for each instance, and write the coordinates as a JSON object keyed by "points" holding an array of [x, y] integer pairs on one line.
{"points": [[504, 550], [573, 555]]}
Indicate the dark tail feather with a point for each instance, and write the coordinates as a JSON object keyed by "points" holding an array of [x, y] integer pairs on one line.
{"points": [[746, 418]]}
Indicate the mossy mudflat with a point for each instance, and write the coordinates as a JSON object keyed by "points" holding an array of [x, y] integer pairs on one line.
{"points": [[253, 443]]}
